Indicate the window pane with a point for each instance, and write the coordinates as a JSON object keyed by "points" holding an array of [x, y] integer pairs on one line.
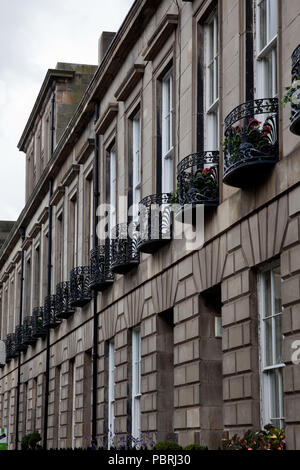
{"points": [[167, 114], [268, 342], [277, 290], [278, 338], [211, 43], [274, 395], [269, 78], [267, 294], [263, 24], [211, 83], [217, 78], [273, 21], [274, 72]]}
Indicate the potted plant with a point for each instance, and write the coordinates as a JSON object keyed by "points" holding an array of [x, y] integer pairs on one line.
{"points": [[241, 139], [292, 96], [270, 438]]}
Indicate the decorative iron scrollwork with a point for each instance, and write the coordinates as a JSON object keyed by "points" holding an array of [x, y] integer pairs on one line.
{"points": [[63, 307], [251, 140], [20, 344], [124, 253], [155, 222], [28, 337], [10, 344], [295, 106], [101, 273], [198, 179], [80, 293], [49, 317], [38, 330]]}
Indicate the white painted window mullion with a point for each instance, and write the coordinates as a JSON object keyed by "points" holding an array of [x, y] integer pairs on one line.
{"points": [[136, 384], [167, 132], [136, 163], [113, 188], [74, 406], [111, 393]]}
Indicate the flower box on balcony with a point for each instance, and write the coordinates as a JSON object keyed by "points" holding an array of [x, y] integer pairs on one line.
{"points": [[251, 142], [124, 254], [197, 183], [101, 274]]}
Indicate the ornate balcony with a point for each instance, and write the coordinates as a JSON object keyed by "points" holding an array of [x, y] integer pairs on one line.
{"points": [[198, 180], [295, 108], [124, 254], [28, 337], [63, 307], [49, 315], [251, 142], [20, 344], [101, 274], [38, 330], [155, 222], [80, 293], [10, 344]]}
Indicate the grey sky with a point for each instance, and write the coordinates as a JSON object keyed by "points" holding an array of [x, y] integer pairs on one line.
{"points": [[34, 36]]}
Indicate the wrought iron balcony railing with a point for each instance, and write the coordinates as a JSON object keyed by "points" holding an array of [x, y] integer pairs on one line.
{"points": [[63, 307], [10, 344], [198, 180], [20, 344], [101, 273], [124, 253], [49, 314], [155, 222], [251, 141], [80, 293], [38, 330], [295, 106], [28, 337]]}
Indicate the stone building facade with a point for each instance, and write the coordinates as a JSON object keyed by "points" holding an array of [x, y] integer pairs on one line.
{"points": [[193, 343]]}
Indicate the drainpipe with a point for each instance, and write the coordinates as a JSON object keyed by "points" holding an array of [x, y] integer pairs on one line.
{"points": [[95, 293], [49, 273], [249, 52], [22, 234]]}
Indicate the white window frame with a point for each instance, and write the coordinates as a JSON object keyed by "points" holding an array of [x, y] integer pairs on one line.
{"points": [[112, 187], [136, 163], [91, 212], [111, 394], [267, 370], [74, 371], [167, 131], [136, 384], [211, 95], [268, 51], [73, 207], [60, 398]]}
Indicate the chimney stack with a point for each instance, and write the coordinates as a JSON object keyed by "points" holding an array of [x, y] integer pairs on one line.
{"points": [[104, 43]]}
